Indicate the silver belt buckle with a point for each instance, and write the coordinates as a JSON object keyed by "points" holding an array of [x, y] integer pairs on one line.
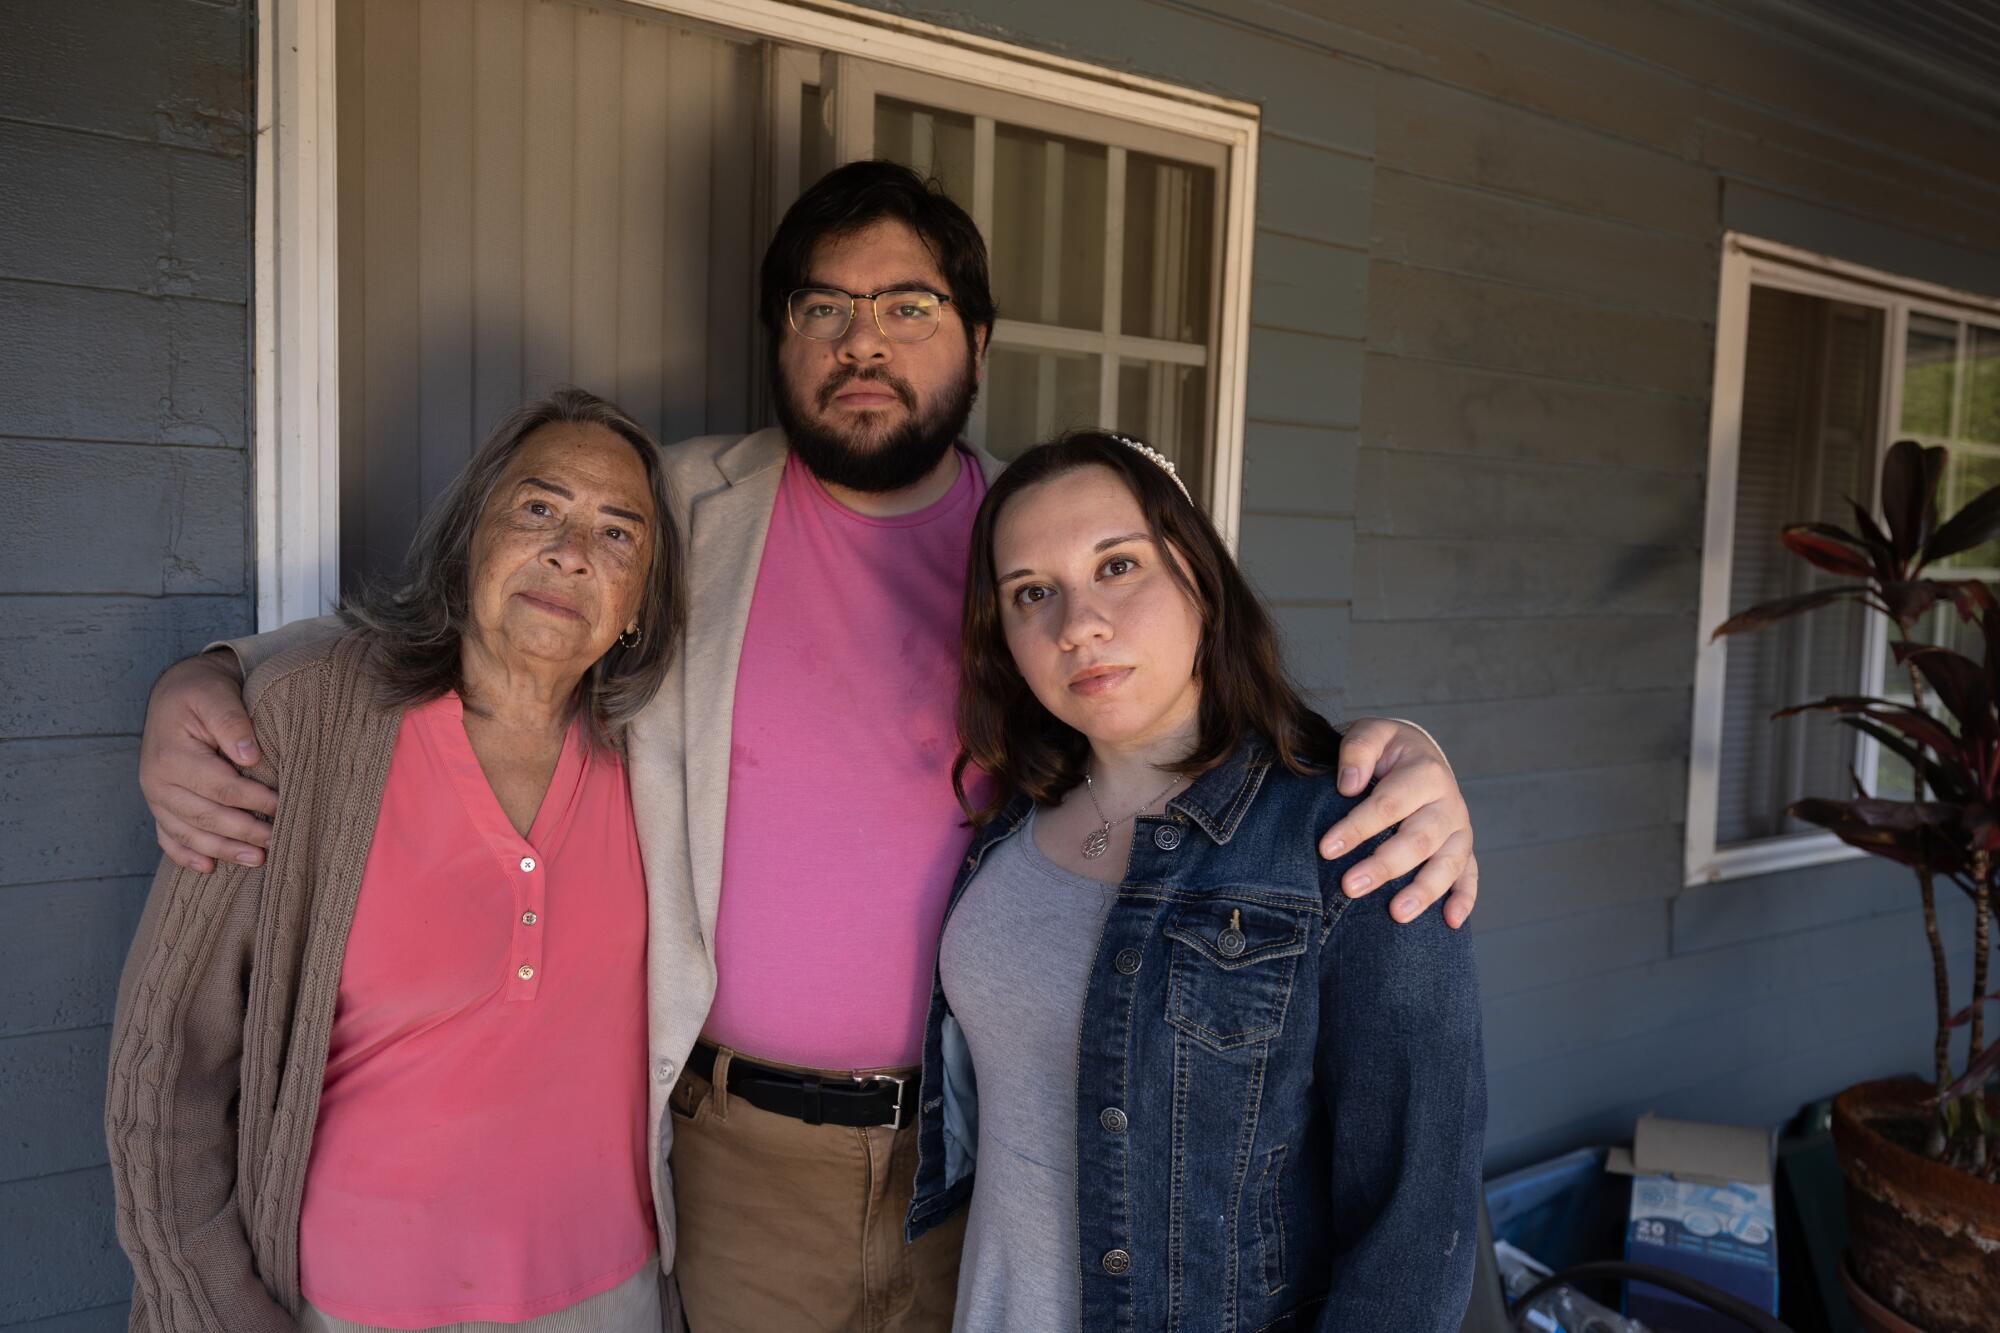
{"points": [[896, 1103]]}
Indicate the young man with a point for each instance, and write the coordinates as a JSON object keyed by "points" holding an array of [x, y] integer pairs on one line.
{"points": [[791, 780]]}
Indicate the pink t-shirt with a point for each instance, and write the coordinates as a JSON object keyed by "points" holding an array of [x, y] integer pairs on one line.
{"points": [[480, 1152], [843, 834]]}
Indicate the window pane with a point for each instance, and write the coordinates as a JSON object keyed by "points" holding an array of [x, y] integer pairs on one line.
{"points": [[1808, 440], [931, 142], [1048, 228], [1970, 471], [1982, 387], [1930, 375], [1942, 625], [1167, 407], [1169, 243], [1033, 396]]}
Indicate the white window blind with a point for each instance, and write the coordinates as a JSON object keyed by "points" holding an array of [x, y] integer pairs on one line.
{"points": [[1809, 440]]}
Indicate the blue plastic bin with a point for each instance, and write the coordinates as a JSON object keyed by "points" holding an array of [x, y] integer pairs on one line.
{"points": [[1564, 1211]]}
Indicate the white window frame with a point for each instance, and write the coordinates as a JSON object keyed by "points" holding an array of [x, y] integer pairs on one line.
{"points": [[296, 334], [1749, 262], [856, 86]]}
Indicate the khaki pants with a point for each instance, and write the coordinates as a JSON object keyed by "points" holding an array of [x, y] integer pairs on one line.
{"points": [[784, 1226]]}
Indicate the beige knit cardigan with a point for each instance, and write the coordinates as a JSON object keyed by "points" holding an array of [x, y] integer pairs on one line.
{"points": [[219, 1047]]}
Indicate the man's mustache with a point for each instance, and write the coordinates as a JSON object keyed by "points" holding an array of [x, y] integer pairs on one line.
{"points": [[840, 379]]}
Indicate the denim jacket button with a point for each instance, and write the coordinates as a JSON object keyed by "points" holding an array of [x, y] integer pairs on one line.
{"points": [[1112, 1119], [1117, 1262], [1230, 942], [1127, 961], [1166, 837]]}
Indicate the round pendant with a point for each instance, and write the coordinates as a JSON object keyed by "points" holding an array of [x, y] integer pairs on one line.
{"points": [[1096, 844]]}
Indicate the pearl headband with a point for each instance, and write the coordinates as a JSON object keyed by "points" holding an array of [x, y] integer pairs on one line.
{"points": [[1165, 464]]}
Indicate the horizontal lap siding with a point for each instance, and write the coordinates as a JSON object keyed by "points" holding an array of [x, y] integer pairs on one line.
{"points": [[1552, 183], [1501, 536], [124, 435]]}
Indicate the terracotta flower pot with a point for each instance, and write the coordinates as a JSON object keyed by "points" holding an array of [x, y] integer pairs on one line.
{"points": [[1923, 1239]]}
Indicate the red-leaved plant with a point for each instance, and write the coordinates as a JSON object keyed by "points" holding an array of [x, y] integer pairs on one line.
{"points": [[1950, 827]]}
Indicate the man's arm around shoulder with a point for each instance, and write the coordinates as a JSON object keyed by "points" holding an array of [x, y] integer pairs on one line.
{"points": [[198, 735]]}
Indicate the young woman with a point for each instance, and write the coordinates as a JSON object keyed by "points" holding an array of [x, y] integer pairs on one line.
{"points": [[1201, 1087]]}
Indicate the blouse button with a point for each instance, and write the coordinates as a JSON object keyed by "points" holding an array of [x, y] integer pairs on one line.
{"points": [[1117, 1262], [1166, 837], [526, 973], [528, 864], [529, 918], [1127, 961]]}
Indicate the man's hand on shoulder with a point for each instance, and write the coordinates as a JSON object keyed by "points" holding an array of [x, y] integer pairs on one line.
{"points": [[1415, 789], [197, 736]]}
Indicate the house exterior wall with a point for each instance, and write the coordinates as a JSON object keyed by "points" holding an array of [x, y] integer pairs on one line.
{"points": [[124, 424], [1487, 253], [1489, 243]]}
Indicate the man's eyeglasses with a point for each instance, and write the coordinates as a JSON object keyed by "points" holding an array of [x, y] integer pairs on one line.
{"points": [[824, 314]]}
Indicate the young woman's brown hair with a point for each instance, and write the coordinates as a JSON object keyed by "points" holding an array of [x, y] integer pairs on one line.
{"points": [[1003, 729]]}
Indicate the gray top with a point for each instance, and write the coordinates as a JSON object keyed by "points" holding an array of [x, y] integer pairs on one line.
{"points": [[1015, 961]]}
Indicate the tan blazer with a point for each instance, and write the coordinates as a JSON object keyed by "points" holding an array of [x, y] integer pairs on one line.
{"points": [[677, 753]]}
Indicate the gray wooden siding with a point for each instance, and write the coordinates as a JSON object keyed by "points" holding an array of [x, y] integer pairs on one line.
{"points": [[1610, 989], [1501, 535], [124, 382]]}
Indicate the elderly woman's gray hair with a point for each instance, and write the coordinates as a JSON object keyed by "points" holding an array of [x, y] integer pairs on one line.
{"points": [[420, 616]]}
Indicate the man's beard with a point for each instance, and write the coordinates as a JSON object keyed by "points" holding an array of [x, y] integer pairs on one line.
{"points": [[898, 460]]}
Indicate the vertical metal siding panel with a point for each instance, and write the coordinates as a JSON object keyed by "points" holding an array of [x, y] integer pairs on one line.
{"points": [[596, 197], [732, 350], [690, 136], [498, 214], [388, 438], [548, 177], [444, 240], [643, 319], [349, 84]]}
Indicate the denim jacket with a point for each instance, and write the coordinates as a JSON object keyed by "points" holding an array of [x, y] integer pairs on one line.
{"points": [[1281, 1093]]}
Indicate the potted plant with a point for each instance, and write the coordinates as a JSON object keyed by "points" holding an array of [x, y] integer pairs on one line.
{"points": [[1921, 1159]]}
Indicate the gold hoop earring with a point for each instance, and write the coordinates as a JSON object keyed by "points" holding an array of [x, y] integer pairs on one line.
{"points": [[631, 637]]}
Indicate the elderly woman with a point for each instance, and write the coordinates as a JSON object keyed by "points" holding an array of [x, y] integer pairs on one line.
{"points": [[394, 1077]]}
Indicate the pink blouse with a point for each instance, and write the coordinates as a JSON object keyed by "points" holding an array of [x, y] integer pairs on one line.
{"points": [[480, 1152]]}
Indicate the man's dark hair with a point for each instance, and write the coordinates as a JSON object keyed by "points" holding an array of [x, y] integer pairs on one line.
{"points": [[857, 195]]}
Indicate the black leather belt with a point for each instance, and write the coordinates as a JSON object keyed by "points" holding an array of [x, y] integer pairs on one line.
{"points": [[858, 1101]]}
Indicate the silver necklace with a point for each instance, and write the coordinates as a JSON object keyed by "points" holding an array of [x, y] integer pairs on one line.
{"points": [[1099, 839]]}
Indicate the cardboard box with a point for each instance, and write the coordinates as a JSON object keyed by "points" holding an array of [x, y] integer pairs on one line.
{"points": [[1703, 1206]]}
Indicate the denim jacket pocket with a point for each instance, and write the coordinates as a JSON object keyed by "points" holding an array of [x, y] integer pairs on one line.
{"points": [[1271, 1219], [1233, 963]]}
